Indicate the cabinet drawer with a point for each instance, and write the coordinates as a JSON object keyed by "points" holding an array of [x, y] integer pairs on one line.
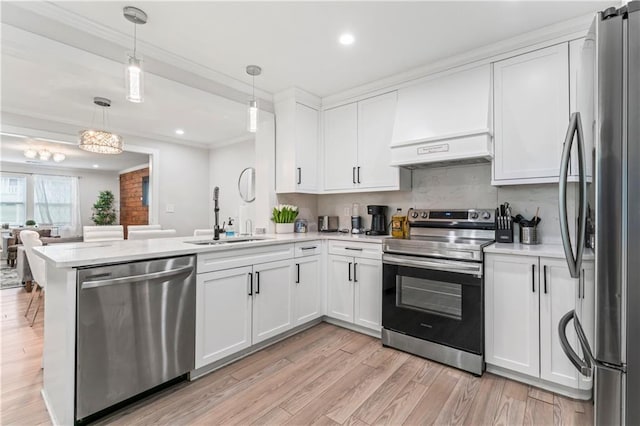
{"points": [[308, 248], [356, 249], [227, 259]]}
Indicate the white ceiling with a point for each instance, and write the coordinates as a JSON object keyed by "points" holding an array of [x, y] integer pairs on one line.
{"points": [[12, 151], [296, 42]]}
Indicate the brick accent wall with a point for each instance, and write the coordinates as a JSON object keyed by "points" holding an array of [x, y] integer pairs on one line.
{"points": [[132, 212]]}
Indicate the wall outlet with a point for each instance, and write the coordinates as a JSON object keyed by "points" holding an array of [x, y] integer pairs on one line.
{"points": [[170, 208]]}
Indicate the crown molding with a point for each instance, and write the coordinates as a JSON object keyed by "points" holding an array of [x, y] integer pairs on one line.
{"points": [[546, 36], [52, 21]]}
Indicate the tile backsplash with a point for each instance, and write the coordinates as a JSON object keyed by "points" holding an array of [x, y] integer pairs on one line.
{"points": [[461, 186]]}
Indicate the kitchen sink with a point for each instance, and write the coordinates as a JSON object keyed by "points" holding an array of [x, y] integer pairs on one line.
{"points": [[226, 241]]}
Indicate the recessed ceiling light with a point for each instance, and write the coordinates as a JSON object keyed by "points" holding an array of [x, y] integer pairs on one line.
{"points": [[95, 166], [346, 39], [179, 132]]}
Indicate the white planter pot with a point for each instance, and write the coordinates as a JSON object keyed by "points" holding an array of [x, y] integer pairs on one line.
{"points": [[284, 228]]}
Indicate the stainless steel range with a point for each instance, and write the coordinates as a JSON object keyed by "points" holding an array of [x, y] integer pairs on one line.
{"points": [[433, 287]]}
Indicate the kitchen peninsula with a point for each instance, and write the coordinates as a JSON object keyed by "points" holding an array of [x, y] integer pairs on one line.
{"points": [[231, 319]]}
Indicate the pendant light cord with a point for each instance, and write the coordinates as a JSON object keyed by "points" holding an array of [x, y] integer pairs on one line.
{"points": [[135, 38]]}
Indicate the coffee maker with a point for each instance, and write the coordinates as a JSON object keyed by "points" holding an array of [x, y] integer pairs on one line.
{"points": [[378, 220]]}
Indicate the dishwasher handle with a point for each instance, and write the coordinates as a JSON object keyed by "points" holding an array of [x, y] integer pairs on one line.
{"points": [[137, 278]]}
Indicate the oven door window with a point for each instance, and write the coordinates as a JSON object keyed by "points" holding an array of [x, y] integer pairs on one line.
{"points": [[430, 296]]}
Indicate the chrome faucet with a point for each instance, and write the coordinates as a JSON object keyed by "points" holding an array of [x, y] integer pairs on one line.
{"points": [[248, 224], [216, 209]]}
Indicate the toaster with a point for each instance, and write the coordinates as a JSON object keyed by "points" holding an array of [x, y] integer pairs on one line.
{"points": [[328, 223]]}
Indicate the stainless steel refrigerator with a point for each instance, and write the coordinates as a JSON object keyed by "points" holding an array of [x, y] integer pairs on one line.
{"points": [[612, 117]]}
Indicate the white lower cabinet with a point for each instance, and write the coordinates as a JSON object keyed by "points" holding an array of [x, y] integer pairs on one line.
{"points": [[512, 313], [354, 290], [525, 298], [239, 307], [307, 290], [223, 314], [272, 299]]}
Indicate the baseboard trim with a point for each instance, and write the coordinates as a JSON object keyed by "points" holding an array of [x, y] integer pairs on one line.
{"points": [[353, 327], [43, 393], [583, 395]]}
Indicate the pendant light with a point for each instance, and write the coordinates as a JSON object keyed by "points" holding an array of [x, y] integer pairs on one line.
{"points": [[101, 141], [252, 112], [134, 75]]}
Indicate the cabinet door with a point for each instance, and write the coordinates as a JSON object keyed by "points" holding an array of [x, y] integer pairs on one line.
{"points": [[582, 68], [340, 288], [272, 299], [531, 101], [557, 297], [306, 136], [340, 147], [511, 313], [375, 128], [586, 310], [307, 303], [223, 314], [367, 278]]}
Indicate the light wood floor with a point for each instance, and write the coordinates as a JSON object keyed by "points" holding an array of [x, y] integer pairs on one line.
{"points": [[324, 375]]}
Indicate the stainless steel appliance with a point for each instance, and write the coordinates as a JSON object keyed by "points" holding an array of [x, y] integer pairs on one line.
{"points": [[433, 287], [378, 220], [328, 223], [609, 112], [135, 329]]}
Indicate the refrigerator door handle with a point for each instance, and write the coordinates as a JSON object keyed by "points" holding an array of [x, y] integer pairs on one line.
{"points": [[573, 261], [584, 366]]}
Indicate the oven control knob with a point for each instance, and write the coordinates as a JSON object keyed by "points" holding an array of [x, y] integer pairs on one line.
{"points": [[486, 215], [425, 215], [414, 215], [473, 215]]}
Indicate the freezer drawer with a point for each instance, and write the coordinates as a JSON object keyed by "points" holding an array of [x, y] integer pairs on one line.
{"points": [[135, 329]]}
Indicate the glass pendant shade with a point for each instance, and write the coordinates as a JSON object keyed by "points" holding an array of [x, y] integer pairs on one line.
{"points": [[44, 155], [30, 153], [134, 77], [101, 142], [252, 116], [58, 157]]}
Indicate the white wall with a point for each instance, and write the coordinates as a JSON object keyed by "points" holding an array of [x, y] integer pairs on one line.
{"points": [[462, 186], [183, 185], [91, 183], [225, 165]]}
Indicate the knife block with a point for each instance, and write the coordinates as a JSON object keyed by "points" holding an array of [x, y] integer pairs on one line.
{"points": [[504, 235]]}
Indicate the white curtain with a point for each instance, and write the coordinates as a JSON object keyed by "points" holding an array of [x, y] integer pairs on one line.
{"points": [[57, 203]]}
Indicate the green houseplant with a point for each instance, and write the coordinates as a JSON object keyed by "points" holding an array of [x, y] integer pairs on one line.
{"points": [[103, 211], [30, 222], [284, 215]]}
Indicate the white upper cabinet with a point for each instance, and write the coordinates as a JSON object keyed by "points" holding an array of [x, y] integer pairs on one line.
{"points": [[531, 102], [582, 97], [375, 128], [297, 147], [340, 147], [357, 153]]}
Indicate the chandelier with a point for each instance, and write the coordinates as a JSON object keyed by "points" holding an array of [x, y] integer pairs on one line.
{"points": [[101, 141]]}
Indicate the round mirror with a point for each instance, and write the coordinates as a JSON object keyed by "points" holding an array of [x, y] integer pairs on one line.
{"points": [[247, 185]]}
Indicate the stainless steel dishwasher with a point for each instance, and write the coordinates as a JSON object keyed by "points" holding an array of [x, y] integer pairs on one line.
{"points": [[135, 329]]}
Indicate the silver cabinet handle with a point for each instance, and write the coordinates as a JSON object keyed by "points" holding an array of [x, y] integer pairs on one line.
{"points": [[299, 175], [137, 278], [309, 248], [353, 248], [353, 174], [350, 271], [250, 276], [573, 261], [355, 272], [358, 174], [533, 278]]}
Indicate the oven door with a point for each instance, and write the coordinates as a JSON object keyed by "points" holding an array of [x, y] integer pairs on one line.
{"points": [[434, 299]]}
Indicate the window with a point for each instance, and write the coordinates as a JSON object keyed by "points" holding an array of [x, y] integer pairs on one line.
{"points": [[13, 200], [54, 200]]}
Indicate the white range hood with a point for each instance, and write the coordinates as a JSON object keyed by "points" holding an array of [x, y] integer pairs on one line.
{"points": [[445, 118]]}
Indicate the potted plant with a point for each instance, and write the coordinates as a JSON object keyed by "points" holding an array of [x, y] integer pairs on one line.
{"points": [[284, 215], [103, 211], [30, 222]]}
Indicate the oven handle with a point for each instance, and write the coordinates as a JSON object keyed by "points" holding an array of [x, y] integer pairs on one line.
{"points": [[458, 267]]}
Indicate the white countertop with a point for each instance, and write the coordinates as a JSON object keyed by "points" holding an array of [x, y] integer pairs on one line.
{"points": [[542, 250], [71, 255]]}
